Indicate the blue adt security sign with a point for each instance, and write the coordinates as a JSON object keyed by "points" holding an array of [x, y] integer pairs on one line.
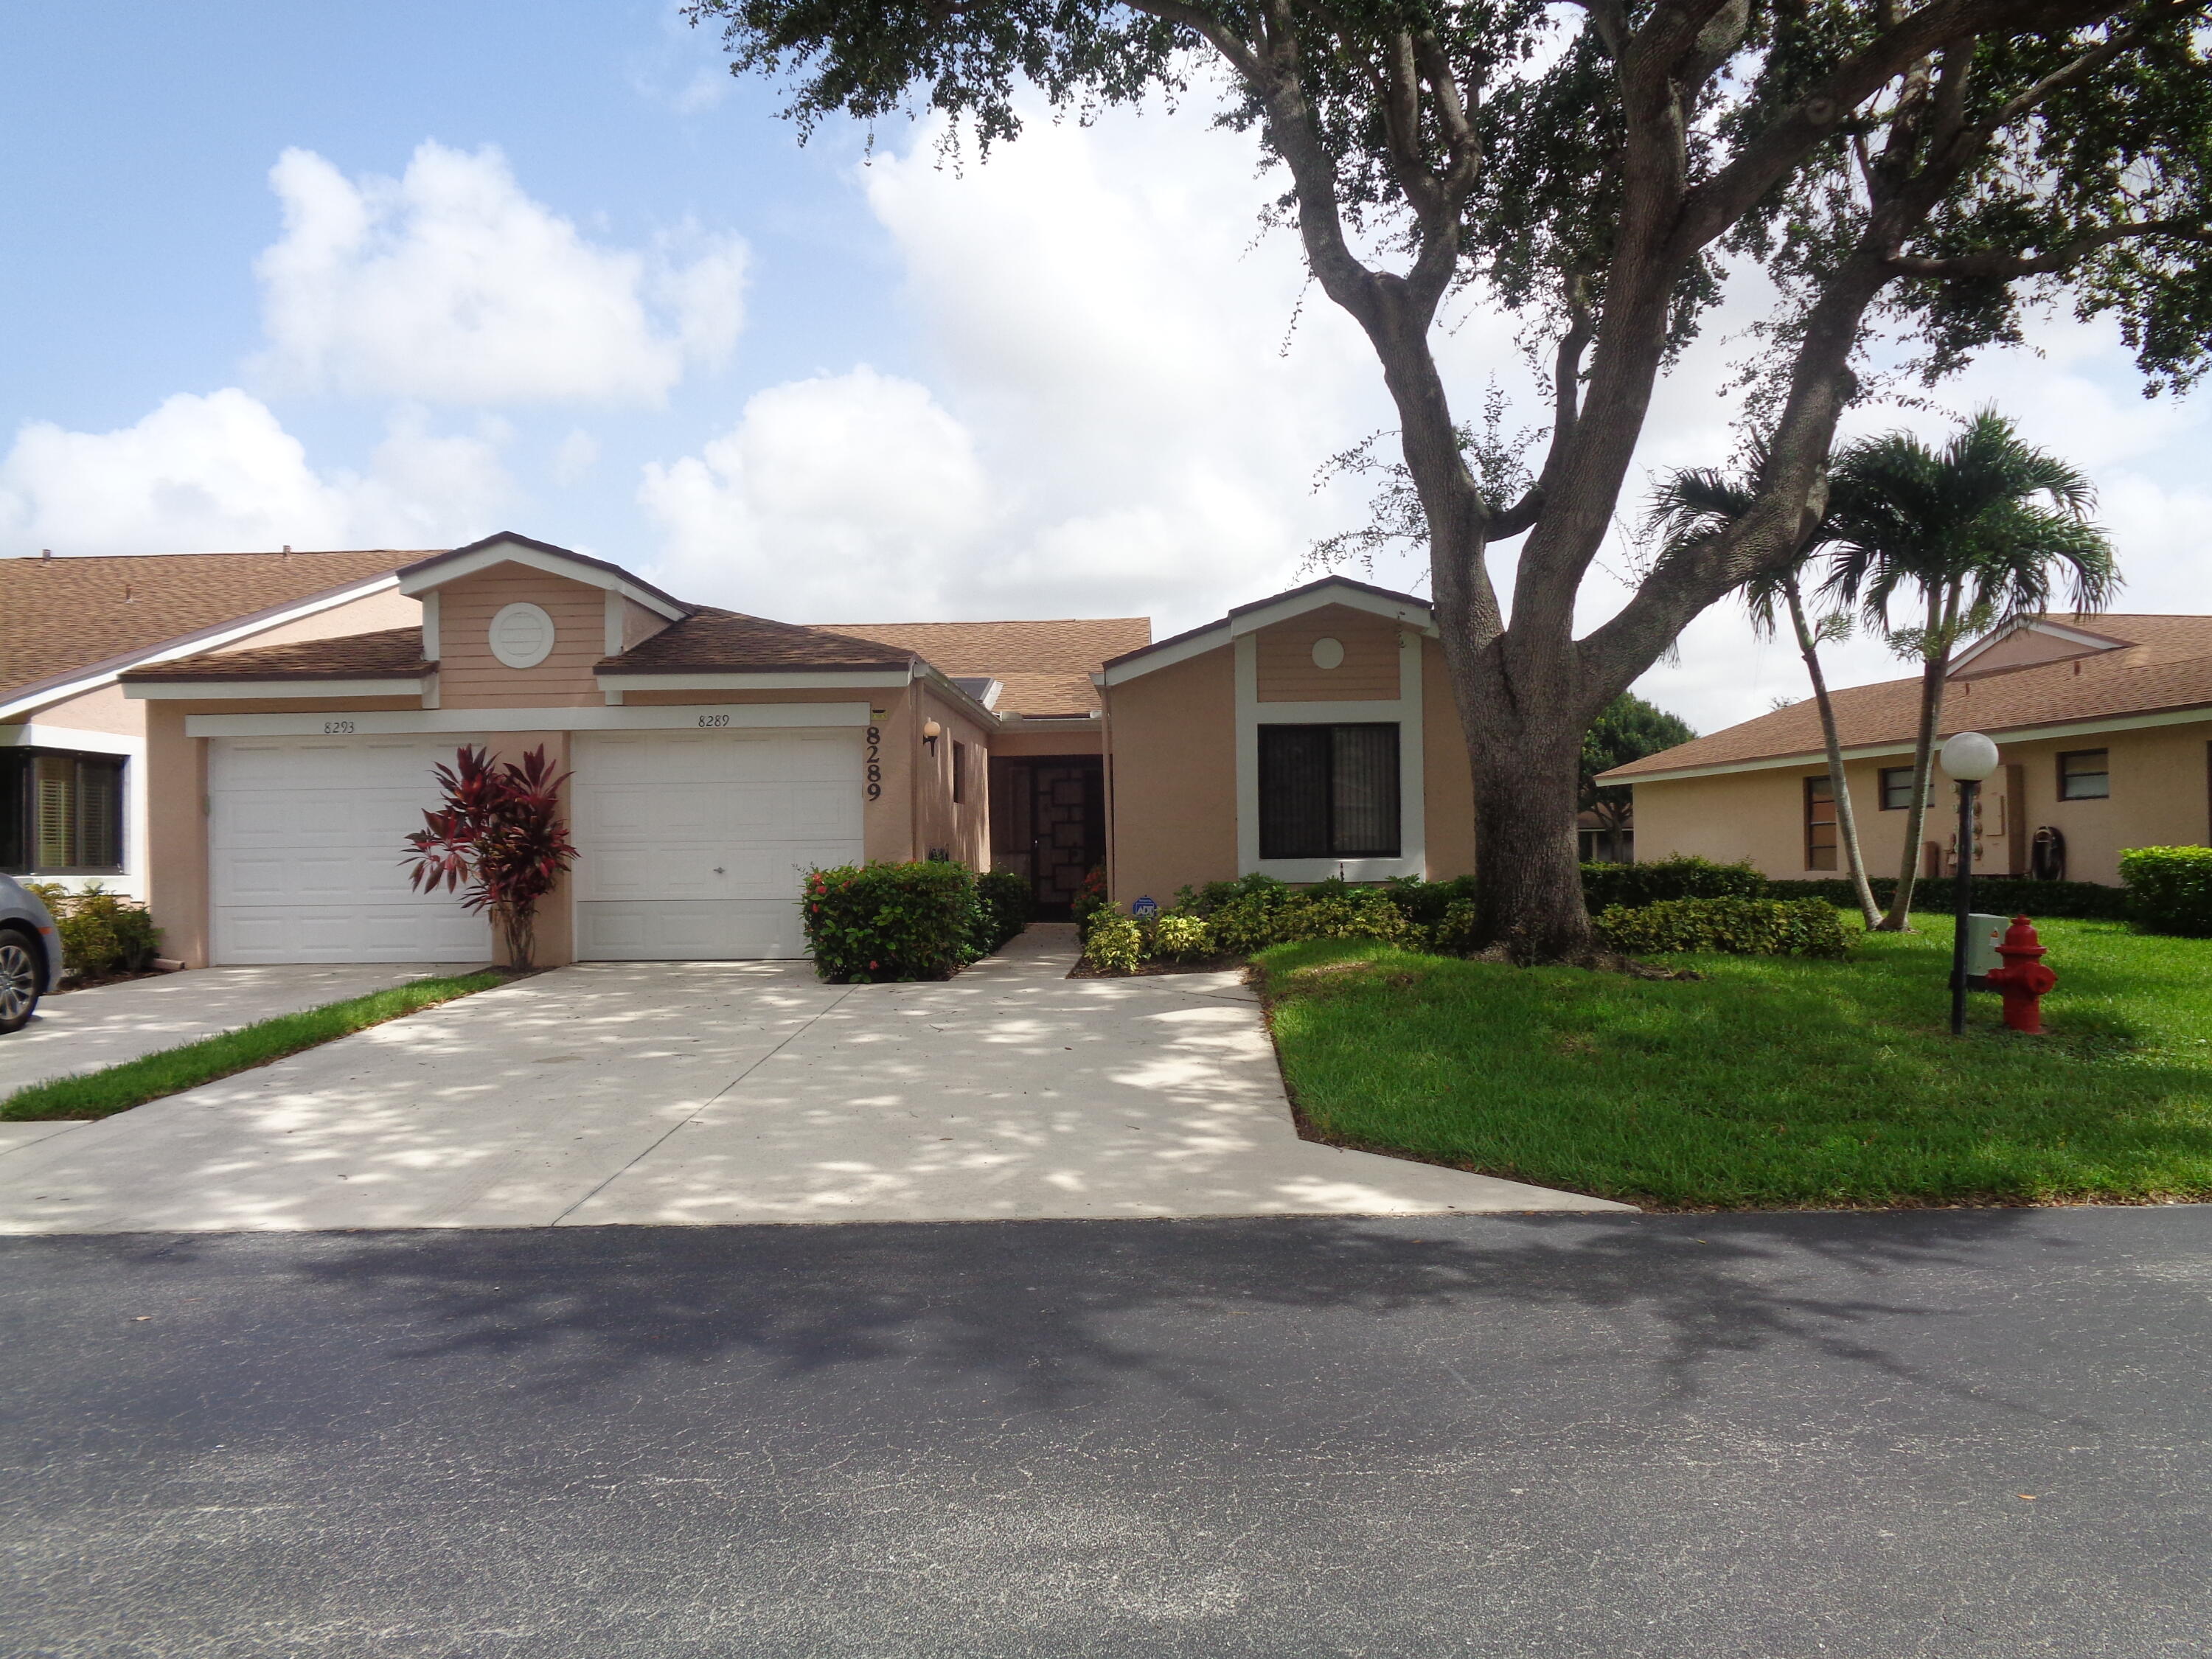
{"points": [[1146, 906]]}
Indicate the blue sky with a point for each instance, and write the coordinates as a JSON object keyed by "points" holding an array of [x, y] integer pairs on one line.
{"points": [[399, 276]]}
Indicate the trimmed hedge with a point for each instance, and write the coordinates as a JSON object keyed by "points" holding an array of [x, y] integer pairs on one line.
{"points": [[1604, 886], [2003, 896], [2169, 889], [101, 932], [1740, 926], [1005, 902], [873, 922]]}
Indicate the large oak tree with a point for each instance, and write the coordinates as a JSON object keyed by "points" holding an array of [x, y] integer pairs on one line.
{"points": [[1897, 173]]}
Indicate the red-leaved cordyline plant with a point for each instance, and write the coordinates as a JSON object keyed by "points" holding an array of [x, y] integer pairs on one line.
{"points": [[499, 832]]}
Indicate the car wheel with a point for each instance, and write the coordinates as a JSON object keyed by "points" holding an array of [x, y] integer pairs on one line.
{"points": [[22, 977]]}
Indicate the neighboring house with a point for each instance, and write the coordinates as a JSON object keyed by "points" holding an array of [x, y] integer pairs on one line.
{"points": [[2104, 723], [715, 756], [1308, 735], [73, 800]]}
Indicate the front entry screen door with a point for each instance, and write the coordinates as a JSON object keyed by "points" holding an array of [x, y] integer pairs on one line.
{"points": [[1068, 826]]}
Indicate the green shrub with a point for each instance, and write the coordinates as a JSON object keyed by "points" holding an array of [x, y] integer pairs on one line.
{"points": [[1337, 909], [1004, 904], [1740, 926], [2003, 896], [1425, 904], [2169, 889], [1604, 886], [877, 921], [1454, 934], [1264, 892], [1178, 936], [101, 932], [1114, 942], [1090, 901]]}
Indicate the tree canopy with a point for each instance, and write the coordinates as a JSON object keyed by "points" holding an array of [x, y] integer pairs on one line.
{"points": [[1904, 178], [1626, 729]]}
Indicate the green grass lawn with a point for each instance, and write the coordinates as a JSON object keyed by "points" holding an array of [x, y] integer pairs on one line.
{"points": [[134, 1082], [1771, 1080]]}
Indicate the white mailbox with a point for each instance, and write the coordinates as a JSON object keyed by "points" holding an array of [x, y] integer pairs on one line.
{"points": [[1984, 935]]}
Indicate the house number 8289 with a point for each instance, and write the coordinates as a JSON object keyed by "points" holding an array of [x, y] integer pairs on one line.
{"points": [[875, 764]]}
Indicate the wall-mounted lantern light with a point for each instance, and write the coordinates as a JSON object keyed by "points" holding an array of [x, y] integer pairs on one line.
{"points": [[931, 732]]}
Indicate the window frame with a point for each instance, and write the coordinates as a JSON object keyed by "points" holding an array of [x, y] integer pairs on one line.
{"points": [[1820, 780], [1882, 778], [1271, 852], [959, 772], [2104, 772], [19, 788]]}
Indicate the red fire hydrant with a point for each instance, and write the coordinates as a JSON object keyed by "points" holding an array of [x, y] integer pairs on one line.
{"points": [[2023, 979]]}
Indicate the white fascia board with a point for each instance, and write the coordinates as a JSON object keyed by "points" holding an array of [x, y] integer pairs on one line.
{"points": [[513, 553], [779, 680], [1352, 598], [1049, 722], [191, 645], [1165, 656], [979, 711], [31, 735], [1879, 750], [293, 690], [430, 640], [731, 716]]}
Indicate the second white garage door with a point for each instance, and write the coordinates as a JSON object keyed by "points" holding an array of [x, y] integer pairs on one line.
{"points": [[692, 843]]}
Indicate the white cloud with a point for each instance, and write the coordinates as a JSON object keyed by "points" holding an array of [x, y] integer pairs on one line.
{"points": [[575, 457], [213, 472], [830, 497], [450, 284]]}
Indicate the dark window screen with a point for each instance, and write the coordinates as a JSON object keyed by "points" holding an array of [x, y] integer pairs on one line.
{"points": [[1328, 791]]}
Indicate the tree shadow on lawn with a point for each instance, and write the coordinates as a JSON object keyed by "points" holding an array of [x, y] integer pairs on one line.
{"points": [[1057, 1317]]}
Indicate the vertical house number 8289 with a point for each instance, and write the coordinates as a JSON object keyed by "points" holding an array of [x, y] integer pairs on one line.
{"points": [[875, 763]]}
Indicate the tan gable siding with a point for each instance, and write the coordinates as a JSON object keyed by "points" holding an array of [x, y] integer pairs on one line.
{"points": [[1286, 671], [2024, 647], [1448, 783], [1172, 735], [638, 624], [470, 677]]}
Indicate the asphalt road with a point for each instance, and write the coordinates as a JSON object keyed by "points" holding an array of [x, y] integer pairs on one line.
{"points": [[1947, 1433]]}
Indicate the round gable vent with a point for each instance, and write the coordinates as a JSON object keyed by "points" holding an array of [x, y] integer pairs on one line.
{"points": [[521, 635], [1329, 654]]}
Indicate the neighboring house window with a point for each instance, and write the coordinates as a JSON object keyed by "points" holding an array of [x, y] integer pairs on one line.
{"points": [[959, 773], [1896, 788], [2085, 775], [1328, 791], [60, 813], [1819, 825]]}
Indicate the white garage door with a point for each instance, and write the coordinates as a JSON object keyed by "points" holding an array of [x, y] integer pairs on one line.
{"points": [[692, 843], [307, 849]]}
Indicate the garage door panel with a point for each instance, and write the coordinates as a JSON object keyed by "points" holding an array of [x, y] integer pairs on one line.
{"points": [[307, 853], [693, 843]]}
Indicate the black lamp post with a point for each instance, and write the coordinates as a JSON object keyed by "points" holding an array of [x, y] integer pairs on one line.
{"points": [[1967, 757]]}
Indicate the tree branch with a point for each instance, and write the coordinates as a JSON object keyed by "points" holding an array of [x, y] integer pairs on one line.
{"points": [[1986, 265]]}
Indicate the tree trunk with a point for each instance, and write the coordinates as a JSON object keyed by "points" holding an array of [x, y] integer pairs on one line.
{"points": [[518, 928], [1934, 665], [1528, 875], [1847, 823]]}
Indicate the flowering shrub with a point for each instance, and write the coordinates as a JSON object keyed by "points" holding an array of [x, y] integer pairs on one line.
{"points": [[1177, 936], [1090, 900], [871, 923]]}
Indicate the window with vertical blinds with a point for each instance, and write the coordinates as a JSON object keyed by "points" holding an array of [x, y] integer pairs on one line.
{"points": [[60, 813], [1328, 791], [1819, 825]]}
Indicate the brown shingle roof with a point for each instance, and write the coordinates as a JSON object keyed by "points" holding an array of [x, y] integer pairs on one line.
{"points": [[1045, 666], [725, 641], [63, 618], [389, 652], [2167, 665]]}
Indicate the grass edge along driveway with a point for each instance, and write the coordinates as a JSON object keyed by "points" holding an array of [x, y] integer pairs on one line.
{"points": [[1772, 1081], [131, 1082]]}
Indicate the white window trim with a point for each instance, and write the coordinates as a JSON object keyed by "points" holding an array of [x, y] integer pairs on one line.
{"points": [[1412, 798], [131, 877], [385, 722]]}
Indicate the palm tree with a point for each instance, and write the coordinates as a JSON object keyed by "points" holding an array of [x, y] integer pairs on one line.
{"points": [[1697, 503], [1981, 530]]}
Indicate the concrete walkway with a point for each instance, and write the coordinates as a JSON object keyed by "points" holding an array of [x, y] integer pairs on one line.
{"points": [[720, 1092], [84, 1031]]}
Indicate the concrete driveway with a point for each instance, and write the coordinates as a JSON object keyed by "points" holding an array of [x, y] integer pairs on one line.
{"points": [[84, 1031], [719, 1092]]}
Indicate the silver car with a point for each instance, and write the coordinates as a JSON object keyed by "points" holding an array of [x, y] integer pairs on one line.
{"points": [[30, 954]]}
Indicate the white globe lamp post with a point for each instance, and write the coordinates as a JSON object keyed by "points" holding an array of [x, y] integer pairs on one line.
{"points": [[1967, 757]]}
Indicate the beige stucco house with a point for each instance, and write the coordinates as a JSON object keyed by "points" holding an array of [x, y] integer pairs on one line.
{"points": [[2104, 723], [73, 798], [1304, 736]]}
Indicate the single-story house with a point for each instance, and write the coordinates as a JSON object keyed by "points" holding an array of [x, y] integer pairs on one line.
{"points": [[714, 755], [2103, 724], [73, 802]]}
